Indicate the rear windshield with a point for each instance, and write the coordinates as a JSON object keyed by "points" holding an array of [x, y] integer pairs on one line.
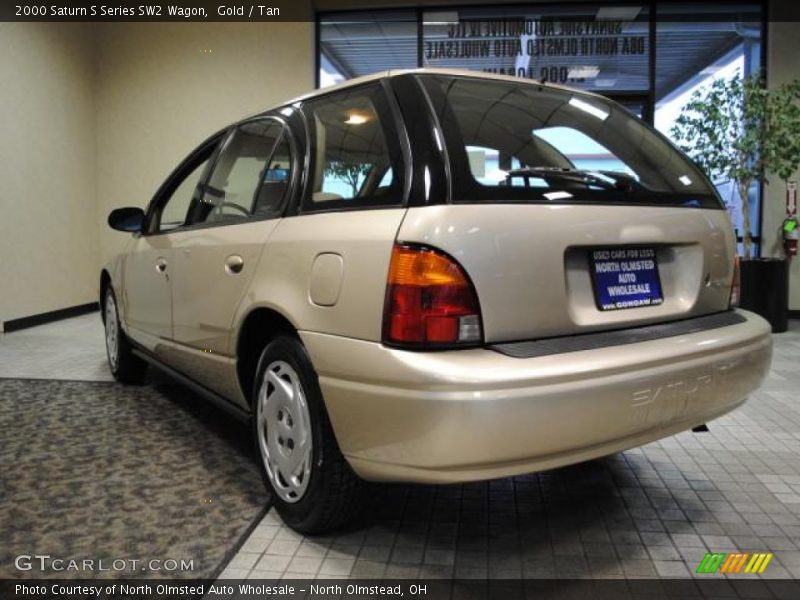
{"points": [[522, 142]]}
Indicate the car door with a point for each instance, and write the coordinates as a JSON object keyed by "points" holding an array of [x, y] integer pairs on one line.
{"points": [[147, 266], [215, 257]]}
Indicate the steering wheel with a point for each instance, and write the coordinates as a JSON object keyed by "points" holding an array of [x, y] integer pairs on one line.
{"points": [[218, 208]]}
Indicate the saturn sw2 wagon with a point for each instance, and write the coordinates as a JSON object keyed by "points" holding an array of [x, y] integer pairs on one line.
{"points": [[436, 276]]}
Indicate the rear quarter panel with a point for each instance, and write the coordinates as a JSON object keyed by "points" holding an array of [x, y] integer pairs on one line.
{"points": [[363, 239]]}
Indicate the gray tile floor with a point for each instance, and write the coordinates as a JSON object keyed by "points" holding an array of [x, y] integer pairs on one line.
{"points": [[648, 512], [68, 349]]}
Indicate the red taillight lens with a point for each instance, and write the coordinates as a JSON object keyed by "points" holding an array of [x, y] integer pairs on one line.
{"points": [[429, 300], [736, 286]]}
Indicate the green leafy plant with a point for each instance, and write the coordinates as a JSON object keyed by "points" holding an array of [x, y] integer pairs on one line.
{"points": [[738, 130], [351, 173]]}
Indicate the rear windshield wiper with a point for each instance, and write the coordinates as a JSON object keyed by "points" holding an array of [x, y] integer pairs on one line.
{"points": [[608, 180]]}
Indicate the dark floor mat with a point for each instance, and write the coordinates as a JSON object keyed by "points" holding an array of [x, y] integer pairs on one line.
{"points": [[106, 471]]}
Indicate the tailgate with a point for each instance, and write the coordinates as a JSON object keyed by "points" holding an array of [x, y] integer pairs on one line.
{"points": [[534, 268]]}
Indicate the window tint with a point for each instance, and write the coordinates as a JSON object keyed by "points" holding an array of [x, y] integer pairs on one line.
{"points": [[275, 181], [174, 213], [357, 160], [512, 142], [230, 194]]}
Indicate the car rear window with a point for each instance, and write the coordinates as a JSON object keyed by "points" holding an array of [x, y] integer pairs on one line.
{"points": [[523, 142]]}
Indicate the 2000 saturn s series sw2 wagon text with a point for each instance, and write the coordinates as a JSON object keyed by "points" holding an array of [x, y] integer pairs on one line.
{"points": [[436, 276]]}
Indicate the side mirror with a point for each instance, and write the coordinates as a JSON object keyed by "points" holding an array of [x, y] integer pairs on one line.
{"points": [[129, 219]]}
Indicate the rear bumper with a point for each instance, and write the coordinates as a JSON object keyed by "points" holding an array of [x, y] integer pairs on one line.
{"points": [[477, 414]]}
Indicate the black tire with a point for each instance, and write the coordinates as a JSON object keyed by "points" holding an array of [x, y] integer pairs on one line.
{"points": [[334, 494], [127, 368]]}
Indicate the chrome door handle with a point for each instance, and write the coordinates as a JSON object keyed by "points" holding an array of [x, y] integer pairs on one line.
{"points": [[234, 264], [161, 265]]}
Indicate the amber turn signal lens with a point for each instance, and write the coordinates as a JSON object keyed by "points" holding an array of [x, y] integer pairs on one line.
{"points": [[423, 266], [430, 302]]}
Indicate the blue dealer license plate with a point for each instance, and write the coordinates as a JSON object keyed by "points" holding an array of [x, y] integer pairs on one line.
{"points": [[625, 278]]}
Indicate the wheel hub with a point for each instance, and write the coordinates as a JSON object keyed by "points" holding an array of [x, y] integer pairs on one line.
{"points": [[284, 431], [112, 331]]}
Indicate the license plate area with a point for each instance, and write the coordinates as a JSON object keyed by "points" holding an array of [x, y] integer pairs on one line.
{"points": [[625, 278]]}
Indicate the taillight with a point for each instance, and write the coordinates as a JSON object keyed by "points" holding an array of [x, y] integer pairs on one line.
{"points": [[430, 302], [736, 286]]}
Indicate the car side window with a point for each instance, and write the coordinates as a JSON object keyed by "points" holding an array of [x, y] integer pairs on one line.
{"points": [[275, 181], [356, 155], [234, 192], [174, 212]]}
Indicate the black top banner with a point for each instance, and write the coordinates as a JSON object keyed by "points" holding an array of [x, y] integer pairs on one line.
{"points": [[306, 10], [142, 10]]}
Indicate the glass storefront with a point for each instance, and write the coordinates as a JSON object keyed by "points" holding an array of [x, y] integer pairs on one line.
{"points": [[651, 57]]}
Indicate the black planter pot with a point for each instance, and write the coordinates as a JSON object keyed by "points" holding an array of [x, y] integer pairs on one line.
{"points": [[765, 290]]}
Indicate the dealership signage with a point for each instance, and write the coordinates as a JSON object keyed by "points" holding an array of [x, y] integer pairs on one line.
{"points": [[541, 48]]}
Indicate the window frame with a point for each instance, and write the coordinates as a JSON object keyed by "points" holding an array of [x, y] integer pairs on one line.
{"points": [[176, 178], [398, 146]]}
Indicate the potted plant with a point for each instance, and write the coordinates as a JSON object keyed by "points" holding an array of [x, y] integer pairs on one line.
{"points": [[737, 130]]}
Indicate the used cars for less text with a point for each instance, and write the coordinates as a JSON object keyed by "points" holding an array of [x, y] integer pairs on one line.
{"points": [[436, 276]]}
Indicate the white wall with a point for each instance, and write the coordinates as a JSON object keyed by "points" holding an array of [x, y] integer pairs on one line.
{"points": [[164, 88], [48, 232], [95, 116]]}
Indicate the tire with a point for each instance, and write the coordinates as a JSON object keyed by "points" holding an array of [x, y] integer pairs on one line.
{"points": [[313, 488], [124, 365]]}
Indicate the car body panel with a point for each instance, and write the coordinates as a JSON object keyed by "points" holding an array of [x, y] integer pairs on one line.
{"points": [[464, 415], [147, 292], [363, 240]]}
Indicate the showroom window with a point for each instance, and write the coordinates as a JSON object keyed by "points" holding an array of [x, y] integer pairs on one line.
{"points": [[648, 56]]}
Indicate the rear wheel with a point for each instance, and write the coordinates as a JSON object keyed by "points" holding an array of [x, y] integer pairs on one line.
{"points": [[314, 489], [124, 365]]}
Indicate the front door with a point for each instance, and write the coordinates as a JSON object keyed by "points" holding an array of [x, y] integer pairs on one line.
{"points": [[148, 271], [216, 256]]}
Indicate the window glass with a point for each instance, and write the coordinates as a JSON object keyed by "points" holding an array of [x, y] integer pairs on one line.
{"points": [[601, 47], [512, 141], [275, 181], [355, 164], [699, 43], [174, 213], [361, 43], [230, 194]]}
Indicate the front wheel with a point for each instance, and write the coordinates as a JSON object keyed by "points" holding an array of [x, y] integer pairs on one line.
{"points": [[124, 365], [314, 489]]}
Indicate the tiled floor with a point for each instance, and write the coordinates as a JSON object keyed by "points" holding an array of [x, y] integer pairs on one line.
{"points": [[649, 512], [68, 349]]}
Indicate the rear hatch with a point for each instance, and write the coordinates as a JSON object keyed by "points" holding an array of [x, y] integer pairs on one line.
{"points": [[534, 273], [568, 214]]}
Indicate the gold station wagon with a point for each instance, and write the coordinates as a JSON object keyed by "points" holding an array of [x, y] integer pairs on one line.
{"points": [[436, 276]]}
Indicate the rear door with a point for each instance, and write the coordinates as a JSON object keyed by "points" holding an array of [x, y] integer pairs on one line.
{"points": [[569, 214], [234, 214]]}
